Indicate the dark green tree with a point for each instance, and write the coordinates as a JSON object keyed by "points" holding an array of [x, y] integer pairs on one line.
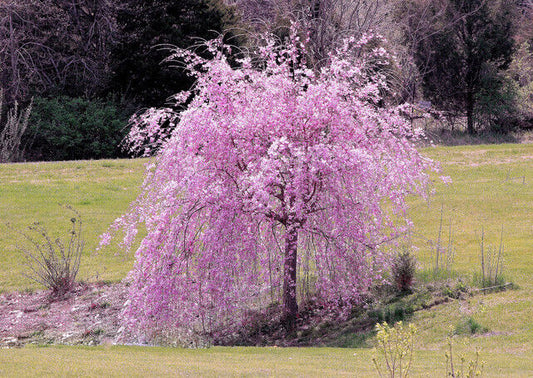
{"points": [[67, 128], [144, 28], [466, 50]]}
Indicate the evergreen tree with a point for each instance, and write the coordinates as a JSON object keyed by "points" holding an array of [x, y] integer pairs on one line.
{"points": [[145, 28], [465, 52]]}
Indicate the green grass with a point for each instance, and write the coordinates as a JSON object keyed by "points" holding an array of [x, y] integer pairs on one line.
{"points": [[492, 187], [100, 190], [140, 362], [122, 361]]}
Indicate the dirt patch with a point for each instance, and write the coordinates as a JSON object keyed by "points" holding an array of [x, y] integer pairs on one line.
{"points": [[89, 315], [517, 159]]}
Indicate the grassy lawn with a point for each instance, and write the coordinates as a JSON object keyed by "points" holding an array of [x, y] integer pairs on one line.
{"points": [[121, 361], [138, 362], [100, 190], [492, 187]]}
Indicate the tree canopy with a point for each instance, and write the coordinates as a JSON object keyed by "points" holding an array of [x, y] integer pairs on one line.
{"points": [[468, 45], [276, 184]]}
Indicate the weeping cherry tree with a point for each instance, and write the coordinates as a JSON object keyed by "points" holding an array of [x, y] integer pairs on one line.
{"points": [[275, 183]]}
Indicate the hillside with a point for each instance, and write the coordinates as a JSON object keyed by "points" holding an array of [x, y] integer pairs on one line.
{"points": [[492, 188]]}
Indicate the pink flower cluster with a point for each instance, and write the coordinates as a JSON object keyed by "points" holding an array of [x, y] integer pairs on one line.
{"points": [[261, 155]]}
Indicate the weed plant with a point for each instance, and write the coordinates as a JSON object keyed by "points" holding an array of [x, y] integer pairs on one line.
{"points": [[469, 326], [54, 263], [12, 130], [444, 255], [491, 263]]}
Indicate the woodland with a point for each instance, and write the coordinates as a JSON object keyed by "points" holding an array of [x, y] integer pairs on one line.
{"points": [[74, 72]]}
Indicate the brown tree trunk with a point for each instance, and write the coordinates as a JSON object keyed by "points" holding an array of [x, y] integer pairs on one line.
{"points": [[290, 304], [470, 113]]}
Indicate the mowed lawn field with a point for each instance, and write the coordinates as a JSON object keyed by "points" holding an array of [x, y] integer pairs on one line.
{"points": [[35, 192], [492, 188]]}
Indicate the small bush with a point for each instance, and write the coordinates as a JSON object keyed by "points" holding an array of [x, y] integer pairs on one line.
{"points": [[53, 263], [454, 289], [469, 326], [403, 271], [395, 345], [66, 128]]}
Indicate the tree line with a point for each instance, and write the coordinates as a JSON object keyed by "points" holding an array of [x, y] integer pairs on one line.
{"points": [[85, 66]]}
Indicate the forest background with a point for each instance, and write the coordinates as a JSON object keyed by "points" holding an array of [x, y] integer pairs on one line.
{"points": [[73, 72]]}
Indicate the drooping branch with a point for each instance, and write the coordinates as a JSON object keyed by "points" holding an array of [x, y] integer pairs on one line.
{"points": [[266, 181]]}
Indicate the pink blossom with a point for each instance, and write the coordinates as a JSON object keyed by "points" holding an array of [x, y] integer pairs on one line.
{"points": [[264, 166]]}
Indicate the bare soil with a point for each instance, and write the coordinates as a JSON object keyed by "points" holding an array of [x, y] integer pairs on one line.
{"points": [[91, 315], [88, 315]]}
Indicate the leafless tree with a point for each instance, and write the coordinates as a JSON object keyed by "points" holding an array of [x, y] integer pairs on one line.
{"points": [[405, 24], [48, 45], [325, 21], [525, 26]]}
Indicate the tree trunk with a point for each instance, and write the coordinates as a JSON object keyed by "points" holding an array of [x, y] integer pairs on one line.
{"points": [[470, 113], [290, 304]]}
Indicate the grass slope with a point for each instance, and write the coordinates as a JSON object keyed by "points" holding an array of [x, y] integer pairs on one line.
{"points": [[492, 187], [100, 190]]}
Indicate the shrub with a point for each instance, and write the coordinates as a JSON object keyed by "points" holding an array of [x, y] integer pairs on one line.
{"points": [[403, 271], [52, 263], [396, 346], [469, 326], [67, 128]]}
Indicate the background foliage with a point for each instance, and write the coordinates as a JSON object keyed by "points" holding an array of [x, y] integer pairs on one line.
{"points": [[146, 32], [69, 128], [463, 54], [101, 49]]}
